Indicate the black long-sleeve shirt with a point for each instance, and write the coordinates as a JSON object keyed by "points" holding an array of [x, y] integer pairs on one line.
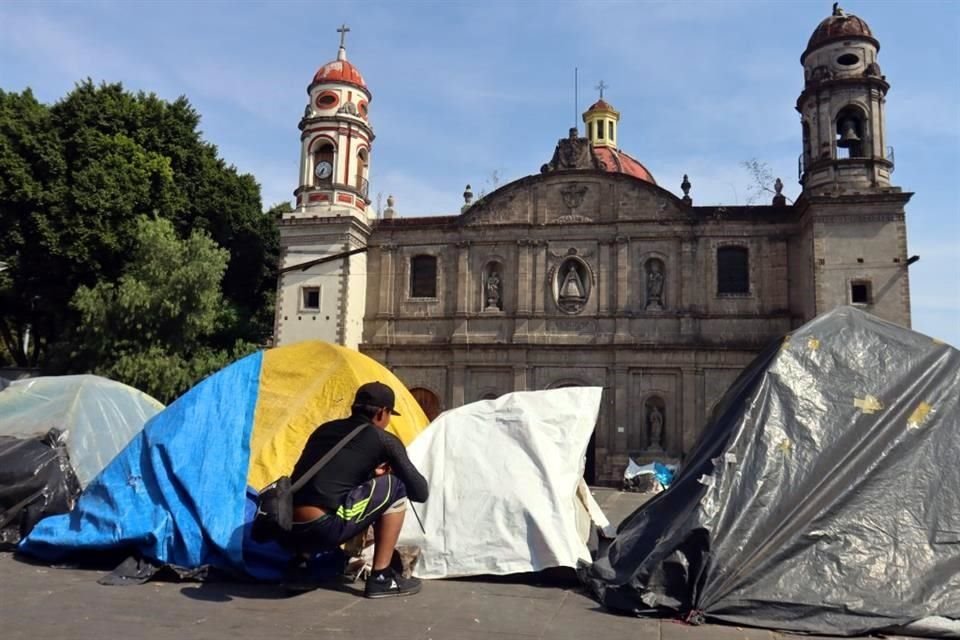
{"points": [[353, 464]]}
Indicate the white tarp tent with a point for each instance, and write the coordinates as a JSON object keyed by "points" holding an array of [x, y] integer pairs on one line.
{"points": [[506, 485]]}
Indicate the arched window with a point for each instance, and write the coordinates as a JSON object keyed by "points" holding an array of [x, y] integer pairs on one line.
{"points": [[362, 171], [850, 128], [733, 270], [423, 277], [323, 163]]}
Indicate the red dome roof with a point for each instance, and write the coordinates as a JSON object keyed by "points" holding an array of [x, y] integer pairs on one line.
{"points": [[616, 161], [839, 26], [339, 71], [600, 105]]}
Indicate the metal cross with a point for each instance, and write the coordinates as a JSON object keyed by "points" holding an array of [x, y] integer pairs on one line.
{"points": [[343, 34], [601, 87]]}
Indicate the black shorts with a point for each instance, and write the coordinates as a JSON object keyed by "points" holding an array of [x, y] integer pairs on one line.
{"points": [[359, 509]]}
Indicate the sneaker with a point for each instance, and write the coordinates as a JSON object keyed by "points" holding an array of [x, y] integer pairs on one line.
{"points": [[389, 583]]}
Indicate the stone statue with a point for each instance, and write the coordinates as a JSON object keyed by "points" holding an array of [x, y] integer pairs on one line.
{"points": [[572, 152], [572, 287], [494, 301], [654, 285], [655, 422]]}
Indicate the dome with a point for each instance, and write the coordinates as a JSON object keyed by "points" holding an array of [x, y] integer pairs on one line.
{"points": [[340, 71], [839, 26], [600, 105], [615, 161]]}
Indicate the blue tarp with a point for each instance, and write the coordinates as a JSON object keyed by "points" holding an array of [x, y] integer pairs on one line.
{"points": [[178, 493]]}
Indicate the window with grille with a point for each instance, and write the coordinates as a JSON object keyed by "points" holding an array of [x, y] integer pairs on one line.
{"points": [[733, 270], [423, 277]]}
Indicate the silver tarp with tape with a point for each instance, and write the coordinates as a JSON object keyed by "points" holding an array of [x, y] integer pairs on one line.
{"points": [[823, 495]]}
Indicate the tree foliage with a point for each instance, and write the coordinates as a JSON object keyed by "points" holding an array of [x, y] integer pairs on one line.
{"points": [[151, 327], [75, 176]]}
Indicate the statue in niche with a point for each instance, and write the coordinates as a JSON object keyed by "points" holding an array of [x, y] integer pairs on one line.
{"points": [[655, 425], [571, 294], [493, 294], [654, 285]]}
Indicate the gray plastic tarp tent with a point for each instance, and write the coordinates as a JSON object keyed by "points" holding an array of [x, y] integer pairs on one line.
{"points": [[56, 434], [823, 495]]}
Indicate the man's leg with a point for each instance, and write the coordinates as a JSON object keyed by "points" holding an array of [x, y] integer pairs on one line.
{"points": [[386, 532], [380, 502]]}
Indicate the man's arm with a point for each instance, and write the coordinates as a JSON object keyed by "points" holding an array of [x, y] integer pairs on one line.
{"points": [[396, 454]]}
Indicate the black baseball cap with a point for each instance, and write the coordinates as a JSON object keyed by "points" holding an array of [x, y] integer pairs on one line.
{"points": [[376, 394]]}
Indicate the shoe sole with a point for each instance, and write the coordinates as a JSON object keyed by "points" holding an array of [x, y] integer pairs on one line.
{"points": [[393, 593]]}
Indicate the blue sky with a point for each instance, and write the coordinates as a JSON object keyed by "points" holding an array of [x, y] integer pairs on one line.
{"points": [[464, 89]]}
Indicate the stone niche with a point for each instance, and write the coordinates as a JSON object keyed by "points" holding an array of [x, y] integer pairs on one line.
{"points": [[654, 415], [483, 383]]}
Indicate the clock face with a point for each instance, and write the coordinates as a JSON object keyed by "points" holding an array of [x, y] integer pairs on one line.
{"points": [[323, 170]]}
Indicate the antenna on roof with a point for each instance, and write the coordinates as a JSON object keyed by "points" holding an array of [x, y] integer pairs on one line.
{"points": [[576, 97]]}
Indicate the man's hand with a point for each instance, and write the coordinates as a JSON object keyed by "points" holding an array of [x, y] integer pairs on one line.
{"points": [[382, 470]]}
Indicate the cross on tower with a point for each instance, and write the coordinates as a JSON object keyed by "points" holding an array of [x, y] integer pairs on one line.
{"points": [[603, 85], [343, 30]]}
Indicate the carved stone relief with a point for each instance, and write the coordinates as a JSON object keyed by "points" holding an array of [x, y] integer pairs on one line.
{"points": [[572, 284], [573, 195], [572, 152]]}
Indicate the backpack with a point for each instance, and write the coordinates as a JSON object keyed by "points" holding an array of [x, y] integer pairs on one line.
{"points": [[274, 517]]}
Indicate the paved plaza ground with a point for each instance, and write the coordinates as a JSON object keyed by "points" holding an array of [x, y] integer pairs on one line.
{"points": [[39, 602]]}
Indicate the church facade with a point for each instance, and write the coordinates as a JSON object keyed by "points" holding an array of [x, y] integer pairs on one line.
{"points": [[589, 272]]}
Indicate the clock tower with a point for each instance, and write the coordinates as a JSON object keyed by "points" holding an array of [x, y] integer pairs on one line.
{"points": [[323, 275], [335, 140]]}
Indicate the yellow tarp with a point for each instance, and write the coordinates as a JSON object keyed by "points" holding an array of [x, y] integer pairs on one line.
{"points": [[306, 384]]}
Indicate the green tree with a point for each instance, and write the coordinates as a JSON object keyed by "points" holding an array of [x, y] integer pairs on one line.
{"points": [[73, 177], [151, 327]]}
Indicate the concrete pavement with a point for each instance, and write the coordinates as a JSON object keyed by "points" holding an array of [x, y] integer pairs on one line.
{"points": [[43, 602]]}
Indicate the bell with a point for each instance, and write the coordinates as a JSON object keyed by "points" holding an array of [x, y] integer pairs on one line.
{"points": [[849, 136]]}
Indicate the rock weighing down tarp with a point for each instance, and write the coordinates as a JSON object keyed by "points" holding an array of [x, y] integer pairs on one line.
{"points": [[823, 496], [181, 493], [506, 485], [56, 434]]}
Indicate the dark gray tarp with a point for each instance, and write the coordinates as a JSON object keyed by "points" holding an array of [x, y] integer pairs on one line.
{"points": [[823, 495], [36, 480]]}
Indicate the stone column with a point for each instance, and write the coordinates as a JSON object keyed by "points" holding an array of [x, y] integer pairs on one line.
{"points": [[387, 280], [523, 278], [463, 274], [520, 377], [686, 412], [458, 380], [622, 280], [621, 401], [539, 247], [603, 292], [685, 282]]}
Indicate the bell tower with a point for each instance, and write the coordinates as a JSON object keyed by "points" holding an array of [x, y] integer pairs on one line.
{"points": [[335, 140], [852, 249], [841, 107], [322, 285]]}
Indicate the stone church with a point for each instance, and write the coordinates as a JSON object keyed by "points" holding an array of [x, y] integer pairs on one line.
{"points": [[590, 272]]}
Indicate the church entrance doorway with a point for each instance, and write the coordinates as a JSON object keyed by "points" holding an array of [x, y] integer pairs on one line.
{"points": [[428, 401]]}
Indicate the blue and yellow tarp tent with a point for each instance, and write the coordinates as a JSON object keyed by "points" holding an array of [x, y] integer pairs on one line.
{"points": [[181, 492]]}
